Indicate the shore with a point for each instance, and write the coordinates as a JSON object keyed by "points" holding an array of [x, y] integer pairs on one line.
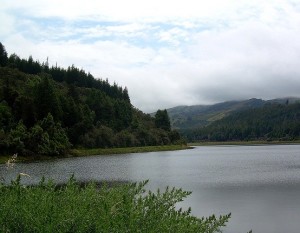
{"points": [[98, 151], [244, 143], [127, 150]]}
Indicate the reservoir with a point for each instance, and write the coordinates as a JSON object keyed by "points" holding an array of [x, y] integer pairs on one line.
{"points": [[258, 185]]}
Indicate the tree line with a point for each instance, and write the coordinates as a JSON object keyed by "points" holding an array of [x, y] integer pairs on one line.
{"points": [[71, 75], [270, 122], [47, 111]]}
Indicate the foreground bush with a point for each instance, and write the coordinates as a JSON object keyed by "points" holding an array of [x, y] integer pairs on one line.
{"points": [[123, 208]]}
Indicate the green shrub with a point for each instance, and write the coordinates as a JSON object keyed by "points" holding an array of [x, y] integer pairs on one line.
{"points": [[121, 208]]}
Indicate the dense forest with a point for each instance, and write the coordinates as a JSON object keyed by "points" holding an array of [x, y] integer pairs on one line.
{"points": [[48, 110], [197, 116], [273, 121]]}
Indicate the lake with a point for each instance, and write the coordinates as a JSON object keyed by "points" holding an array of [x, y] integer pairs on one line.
{"points": [[259, 185]]}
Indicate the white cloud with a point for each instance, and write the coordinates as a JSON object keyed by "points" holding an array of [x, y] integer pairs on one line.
{"points": [[9, 24], [166, 52], [173, 36], [123, 10], [136, 10]]}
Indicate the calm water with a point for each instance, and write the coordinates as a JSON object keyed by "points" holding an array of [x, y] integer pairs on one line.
{"points": [[259, 185]]}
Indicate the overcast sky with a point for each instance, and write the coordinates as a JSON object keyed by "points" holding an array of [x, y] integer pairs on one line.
{"points": [[167, 53]]}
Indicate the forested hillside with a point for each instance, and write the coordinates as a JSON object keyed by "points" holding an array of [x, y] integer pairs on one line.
{"points": [[273, 121], [196, 116], [47, 110]]}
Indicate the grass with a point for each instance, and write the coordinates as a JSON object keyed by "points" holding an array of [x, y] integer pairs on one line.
{"points": [[126, 150], [71, 208], [97, 151], [241, 143]]}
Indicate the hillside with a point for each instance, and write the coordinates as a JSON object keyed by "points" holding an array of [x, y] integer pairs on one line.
{"points": [[273, 121], [196, 116], [48, 110], [189, 117]]}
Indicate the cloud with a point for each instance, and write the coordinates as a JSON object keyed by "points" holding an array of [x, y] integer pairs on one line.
{"points": [[167, 53], [130, 10], [9, 24]]}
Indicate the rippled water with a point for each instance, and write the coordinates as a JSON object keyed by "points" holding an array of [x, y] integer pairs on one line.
{"points": [[259, 185]]}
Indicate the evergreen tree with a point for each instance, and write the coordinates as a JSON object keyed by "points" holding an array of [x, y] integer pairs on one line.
{"points": [[46, 99], [43, 109], [3, 55], [162, 120]]}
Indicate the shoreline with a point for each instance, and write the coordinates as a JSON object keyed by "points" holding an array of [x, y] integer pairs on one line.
{"points": [[83, 152], [244, 143], [97, 151]]}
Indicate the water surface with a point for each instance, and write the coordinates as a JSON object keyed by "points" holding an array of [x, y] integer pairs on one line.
{"points": [[259, 185]]}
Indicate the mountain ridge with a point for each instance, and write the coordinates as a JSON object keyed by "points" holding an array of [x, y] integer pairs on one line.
{"points": [[197, 116]]}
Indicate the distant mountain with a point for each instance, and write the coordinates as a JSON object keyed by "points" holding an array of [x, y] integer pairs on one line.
{"points": [[197, 116], [275, 121]]}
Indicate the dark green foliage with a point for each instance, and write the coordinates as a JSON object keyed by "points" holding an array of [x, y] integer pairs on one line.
{"points": [[125, 139], [24, 109], [17, 137], [46, 100], [5, 116], [271, 122], [48, 137], [122, 114], [27, 66], [196, 116], [176, 138], [98, 137], [123, 208], [102, 105], [44, 110], [9, 94], [72, 113], [162, 120], [3, 55], [72, 75]]}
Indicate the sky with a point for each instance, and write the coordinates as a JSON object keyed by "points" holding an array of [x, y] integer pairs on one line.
{"points": [[167, 53]]}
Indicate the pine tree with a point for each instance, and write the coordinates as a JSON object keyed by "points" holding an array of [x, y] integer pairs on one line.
{"points": [[46, 99], [3, 55], [162, 120]]}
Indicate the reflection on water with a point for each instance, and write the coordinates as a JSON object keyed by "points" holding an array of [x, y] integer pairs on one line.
{"points": [[259, 185]]}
